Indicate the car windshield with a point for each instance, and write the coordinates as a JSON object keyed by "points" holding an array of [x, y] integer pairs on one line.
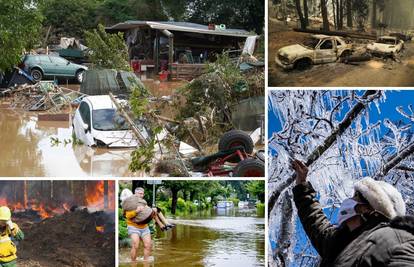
{"points": [[108, 120], [386, 41], [311, 42]]}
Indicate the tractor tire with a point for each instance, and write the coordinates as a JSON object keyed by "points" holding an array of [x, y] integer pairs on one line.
{"points": [[249, 168], [235, 138]]}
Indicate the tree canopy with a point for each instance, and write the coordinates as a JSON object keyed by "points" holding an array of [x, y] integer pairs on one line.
{"points": [[20, 26]]}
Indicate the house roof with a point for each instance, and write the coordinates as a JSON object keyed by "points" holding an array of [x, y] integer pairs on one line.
{"points": [[178, 26]]}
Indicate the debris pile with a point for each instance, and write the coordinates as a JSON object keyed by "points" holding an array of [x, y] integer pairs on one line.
{"points": [[77, 238], [43, 96]]}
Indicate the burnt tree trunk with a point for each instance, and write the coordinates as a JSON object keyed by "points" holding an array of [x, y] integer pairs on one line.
{"points": [[374, 14], [300, 14], [341, 15], [106, 206], [349, 13], [324, 11], [306, 12]]}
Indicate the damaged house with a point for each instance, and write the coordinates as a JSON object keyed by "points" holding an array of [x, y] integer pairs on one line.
{"points": [[182, 48]]}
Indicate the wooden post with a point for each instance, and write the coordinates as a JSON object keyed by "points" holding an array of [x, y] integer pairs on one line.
{"points": [[170, 36], [156, 56]]}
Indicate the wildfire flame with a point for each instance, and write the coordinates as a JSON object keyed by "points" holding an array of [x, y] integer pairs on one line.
{"points": [[100, 229], [95, 195]]}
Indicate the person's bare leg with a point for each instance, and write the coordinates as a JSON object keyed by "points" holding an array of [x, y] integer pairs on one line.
{"points": [[162, 218], [147, 246], [134, 246], [158, 221]]}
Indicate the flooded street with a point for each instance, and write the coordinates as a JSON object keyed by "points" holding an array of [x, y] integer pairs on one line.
{"points": [[215, 238], [28, 150]]}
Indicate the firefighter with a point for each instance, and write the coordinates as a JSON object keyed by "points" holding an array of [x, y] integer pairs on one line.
{"points": [[9, 232]]}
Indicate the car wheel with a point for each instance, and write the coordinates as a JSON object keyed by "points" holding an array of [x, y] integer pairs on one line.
{"points": [[249, 168], [303, 64], [36, 74], [80, 74], [345, 56]]}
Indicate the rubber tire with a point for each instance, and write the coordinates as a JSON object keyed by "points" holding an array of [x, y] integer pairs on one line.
{"points": [[77, 75], [37, 72], [303, 64], [247, 167], [236, 136], [344, 57]]}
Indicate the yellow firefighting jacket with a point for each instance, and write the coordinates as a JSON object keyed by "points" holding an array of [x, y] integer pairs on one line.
{"points": [[7, 247]]}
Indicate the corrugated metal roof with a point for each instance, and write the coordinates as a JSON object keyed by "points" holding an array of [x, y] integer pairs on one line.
{"points": [[178, 26]]}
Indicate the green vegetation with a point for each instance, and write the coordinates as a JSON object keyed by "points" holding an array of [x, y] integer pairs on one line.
{"points": [[107, 51], [20, 26], [72, 17]]}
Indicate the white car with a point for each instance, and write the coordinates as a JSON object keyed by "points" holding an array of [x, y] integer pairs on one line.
{"points": [[386, 46], [315, 50], [97, 123]]}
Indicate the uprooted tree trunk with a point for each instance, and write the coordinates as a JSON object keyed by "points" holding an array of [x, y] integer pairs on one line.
{"points": [[329, 141]]}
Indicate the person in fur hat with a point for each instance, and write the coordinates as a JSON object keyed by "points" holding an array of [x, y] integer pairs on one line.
{"points": [[372, 228]]}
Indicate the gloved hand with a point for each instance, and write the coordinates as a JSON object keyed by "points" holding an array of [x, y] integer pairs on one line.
{"points": [[10, 224]]}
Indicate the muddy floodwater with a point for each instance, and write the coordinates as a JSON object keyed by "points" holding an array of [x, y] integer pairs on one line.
{"points": [[225, 238], [28, 149]]}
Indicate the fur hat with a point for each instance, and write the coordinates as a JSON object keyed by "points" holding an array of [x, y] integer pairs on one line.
{"points": [[381, 196]]}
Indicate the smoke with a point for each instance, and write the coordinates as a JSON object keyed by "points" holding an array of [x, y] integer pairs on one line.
{"points": [[398, 14]]}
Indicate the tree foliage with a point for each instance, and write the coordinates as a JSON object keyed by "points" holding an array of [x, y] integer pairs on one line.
{"points": [[107, 51], [20, 25], [69, 18]]}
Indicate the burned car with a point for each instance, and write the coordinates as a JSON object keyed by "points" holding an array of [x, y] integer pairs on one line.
{"points": [[316, 50], [386, 46]]}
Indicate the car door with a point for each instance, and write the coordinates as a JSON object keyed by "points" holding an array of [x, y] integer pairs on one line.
{"points": [[326, 51], [46, 64], [62, 67], [82, 118]]}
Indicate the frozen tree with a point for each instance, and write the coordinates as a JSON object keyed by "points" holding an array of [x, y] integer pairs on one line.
{"points": [[331, 131]]}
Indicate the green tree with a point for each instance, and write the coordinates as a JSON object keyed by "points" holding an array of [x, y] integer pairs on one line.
{"points": [[246, 14], [69, 18], [108, 51], [115, 11], [20, 25], [257, 189]]}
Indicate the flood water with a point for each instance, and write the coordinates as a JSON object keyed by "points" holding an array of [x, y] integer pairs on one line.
{"points": [[216, 238], [27, 150]]}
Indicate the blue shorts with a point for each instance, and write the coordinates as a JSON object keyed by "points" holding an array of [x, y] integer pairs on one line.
{"points": [[140, 232]]}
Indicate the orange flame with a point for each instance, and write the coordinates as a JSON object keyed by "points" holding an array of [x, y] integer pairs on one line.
{"points": [[100, 229]]}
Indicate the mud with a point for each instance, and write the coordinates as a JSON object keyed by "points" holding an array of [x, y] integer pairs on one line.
{"points": [[68, 240], [216, 238], [377, 72]]}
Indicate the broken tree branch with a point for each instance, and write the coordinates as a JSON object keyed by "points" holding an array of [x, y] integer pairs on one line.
{"points": [[134, 128]]}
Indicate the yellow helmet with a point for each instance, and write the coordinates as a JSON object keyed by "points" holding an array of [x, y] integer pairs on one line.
{"points": [[5, 213]]}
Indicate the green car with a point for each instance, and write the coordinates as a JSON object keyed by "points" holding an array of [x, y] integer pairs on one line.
{"points": [[48, 66]]}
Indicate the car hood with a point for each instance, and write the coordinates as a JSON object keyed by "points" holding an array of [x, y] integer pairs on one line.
{"points": [[116, 138], [295, 50]]}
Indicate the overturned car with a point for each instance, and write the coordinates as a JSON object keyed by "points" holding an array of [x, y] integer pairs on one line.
{"points": [[316, 50]]}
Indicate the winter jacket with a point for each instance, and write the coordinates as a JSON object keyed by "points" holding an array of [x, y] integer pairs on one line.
{"points": [[377, 242], [7, 247]]}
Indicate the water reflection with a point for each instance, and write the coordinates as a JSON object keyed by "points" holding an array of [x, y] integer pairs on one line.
{"points": [[28, 150]]}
